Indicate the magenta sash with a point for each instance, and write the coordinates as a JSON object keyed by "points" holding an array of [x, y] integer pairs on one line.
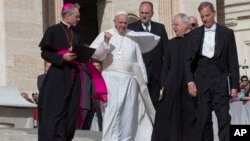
{"points": [[99, 84]]}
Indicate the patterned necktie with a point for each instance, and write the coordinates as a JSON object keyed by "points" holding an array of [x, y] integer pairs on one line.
{"points": [[146, 27]]}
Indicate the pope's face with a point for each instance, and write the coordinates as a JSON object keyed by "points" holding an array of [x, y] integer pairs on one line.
{"points": [[207, 17], [121, 23]]}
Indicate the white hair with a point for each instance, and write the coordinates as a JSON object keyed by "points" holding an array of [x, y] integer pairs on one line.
{"points": [[184, 18]]}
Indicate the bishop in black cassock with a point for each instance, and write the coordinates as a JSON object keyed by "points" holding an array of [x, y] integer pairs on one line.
{"points": [[60, 92]]}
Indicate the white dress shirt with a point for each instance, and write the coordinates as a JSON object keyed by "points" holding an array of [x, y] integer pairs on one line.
{"points": [[208, 46], [149, 26]]}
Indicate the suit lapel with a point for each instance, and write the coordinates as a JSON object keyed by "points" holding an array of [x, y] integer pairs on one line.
{"points": [[199, 37], [153, 28], [140, 26], [219, 39]]}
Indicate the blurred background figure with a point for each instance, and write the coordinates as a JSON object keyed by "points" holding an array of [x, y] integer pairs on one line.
{"points": [[26, 97], [35, 97], [35, 112], [97, 64], [92, 115], [96, 121], [245, 87], [244, 80], [41, 77], [194, 22]]}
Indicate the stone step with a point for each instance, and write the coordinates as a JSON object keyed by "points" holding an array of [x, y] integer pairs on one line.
{"points": [[14, 134]]}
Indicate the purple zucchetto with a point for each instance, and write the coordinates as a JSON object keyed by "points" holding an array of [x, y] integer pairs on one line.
{"points": [[67, 6]]}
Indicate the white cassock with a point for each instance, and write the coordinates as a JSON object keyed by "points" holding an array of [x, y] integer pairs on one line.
{"points": [[129, 113]]}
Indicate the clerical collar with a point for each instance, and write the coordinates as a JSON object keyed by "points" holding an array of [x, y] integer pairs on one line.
{"points": [[213, 28], [68, 25], [181, 36]]}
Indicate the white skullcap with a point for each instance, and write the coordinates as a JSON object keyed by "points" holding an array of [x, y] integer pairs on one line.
{"points": [[121, 13]]}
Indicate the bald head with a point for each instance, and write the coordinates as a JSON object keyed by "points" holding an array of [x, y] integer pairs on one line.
{"points": [[194, 22], [146, 11]]}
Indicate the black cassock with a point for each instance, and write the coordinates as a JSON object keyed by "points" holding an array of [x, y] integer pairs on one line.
{"points": [[169, 118], [60, 92]]}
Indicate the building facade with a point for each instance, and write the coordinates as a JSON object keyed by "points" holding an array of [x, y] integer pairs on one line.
{"points": [[22, 24]]}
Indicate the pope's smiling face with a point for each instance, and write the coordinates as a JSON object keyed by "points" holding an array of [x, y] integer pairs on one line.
{"points": [[121, 23]]}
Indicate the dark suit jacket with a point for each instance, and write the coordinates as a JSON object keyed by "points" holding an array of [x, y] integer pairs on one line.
{"points": [[153, 60], [40, 80], [225, 53]]}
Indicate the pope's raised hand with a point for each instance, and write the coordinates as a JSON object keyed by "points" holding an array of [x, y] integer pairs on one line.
{"points": [[107, 37]]}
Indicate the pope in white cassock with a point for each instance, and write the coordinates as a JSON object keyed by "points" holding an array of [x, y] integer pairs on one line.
{"points": [[129, 113]]}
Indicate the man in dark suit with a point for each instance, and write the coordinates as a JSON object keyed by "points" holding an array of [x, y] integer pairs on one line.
{"points": [[154, 59], [41, 77], [212, 72]]}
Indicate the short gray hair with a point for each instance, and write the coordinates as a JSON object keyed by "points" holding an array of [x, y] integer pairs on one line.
{"points": [[147, 2], [70, 10], [206, 4]]}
